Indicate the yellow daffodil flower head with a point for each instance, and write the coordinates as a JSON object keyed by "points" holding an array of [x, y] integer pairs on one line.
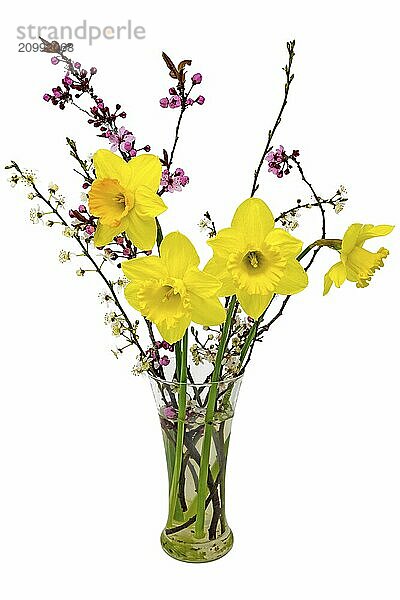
{"points": [[123, 196], [254, 260], [356, 263], [171, 291]]}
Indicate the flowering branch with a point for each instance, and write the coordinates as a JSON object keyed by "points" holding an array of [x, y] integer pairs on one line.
{"points": [[132, 336], [180, 97], [256, 332], [317, 198], [289, 78], [288, 217]]}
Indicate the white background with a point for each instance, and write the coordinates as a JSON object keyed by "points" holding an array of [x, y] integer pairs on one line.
{"points": [[313, 482]]}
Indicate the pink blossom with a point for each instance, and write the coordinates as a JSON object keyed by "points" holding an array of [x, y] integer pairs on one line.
{"points": [[174, 182], [122, 140], [169, 412], [175, 102], [197, 78]]}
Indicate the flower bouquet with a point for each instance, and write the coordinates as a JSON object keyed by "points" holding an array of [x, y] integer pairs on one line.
{"points": [[193, 330]]}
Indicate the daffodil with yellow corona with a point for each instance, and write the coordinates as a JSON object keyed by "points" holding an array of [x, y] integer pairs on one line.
{"points": [[255, 260], [171, 291], [357, 264], [124, 197]]}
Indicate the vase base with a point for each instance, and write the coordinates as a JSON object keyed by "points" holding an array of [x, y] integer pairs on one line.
{"points": [[197, 552]]}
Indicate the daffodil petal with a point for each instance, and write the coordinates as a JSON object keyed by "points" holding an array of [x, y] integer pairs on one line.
{"points": [[294, 280], [146, 170], [131, 294], [142, 231], [288, 245], [207, 311], [336, 275], [254, 219], [327, 283], [148, 203], [370, 231], [218, 268], [147, 267], [178, 253], [172, 334], [104, 234], [201, 283], [350, 238], [226, 242], [110, 166], [254, 304]]}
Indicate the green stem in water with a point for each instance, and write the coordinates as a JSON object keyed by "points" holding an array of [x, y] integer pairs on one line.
{"points": [[212, 396], [180, 432]]}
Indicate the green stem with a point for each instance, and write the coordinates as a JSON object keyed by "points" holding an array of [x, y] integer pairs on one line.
{"points": [[178, 359], [212, 396], [180, 432]]}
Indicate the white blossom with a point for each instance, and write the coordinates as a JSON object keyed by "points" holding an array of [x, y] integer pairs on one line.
{"points": [[64, 256], [68, 232]]}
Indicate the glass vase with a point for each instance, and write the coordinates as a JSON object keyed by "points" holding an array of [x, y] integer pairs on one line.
{"points": [[196, 449]]}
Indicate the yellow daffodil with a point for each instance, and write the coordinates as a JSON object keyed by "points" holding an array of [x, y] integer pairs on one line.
{"points": [[123, 196], [356, 263], [254, 260], [171, 291]]}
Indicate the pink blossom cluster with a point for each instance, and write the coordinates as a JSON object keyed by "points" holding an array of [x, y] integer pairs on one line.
{"points": [[154, 353], [278, 161], [126, 246], [82, 221], [176, 100], [77, 82], [174, 182]]}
